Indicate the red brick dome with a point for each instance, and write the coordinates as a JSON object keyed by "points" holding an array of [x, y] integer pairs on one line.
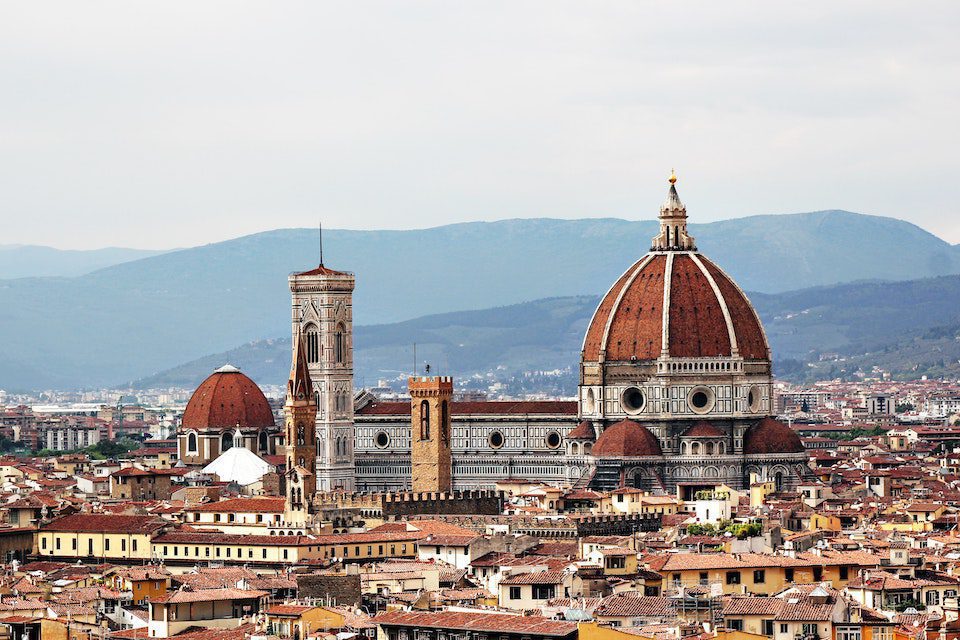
{"points": [[627, 439], [771, 436], [227, 399], [707, 314], [583, 431]]}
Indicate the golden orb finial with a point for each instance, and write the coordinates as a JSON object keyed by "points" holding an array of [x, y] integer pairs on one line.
{"points": [[673, 177]]}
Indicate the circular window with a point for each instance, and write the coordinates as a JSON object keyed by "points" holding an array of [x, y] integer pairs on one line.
{"points": [[632, 400], [701, 399], [753, 399], [553, 440], [495, 439], [382, 440]]}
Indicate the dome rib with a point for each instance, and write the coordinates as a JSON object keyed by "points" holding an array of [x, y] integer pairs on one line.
{"points": [[751, 337], [677, 300]]}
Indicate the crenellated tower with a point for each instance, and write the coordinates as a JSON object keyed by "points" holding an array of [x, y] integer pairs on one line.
{"points": [[431, 463]]}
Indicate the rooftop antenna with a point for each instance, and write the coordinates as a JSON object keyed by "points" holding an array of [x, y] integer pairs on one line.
{"points": [[321, 242]]}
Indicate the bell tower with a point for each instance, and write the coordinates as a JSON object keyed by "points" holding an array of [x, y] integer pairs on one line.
{"points": [[430, 460], [300, 414], [322, 312]]}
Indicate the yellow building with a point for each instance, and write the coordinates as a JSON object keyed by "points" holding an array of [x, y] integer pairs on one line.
{"points": [[98, 536], [181, 547], [761, 574], [299, 621], [142, 583]]}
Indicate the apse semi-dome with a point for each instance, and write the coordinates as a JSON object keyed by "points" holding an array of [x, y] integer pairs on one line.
{"points": [[227, 399], [583, 431], [676, 304], [771, 436], [627, 439]]}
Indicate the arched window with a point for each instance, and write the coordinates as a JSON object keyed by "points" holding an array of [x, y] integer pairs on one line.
{"points": [[709, 448], [424, 420], [226, 441], [192, 443], [695, 449], [313, 343], [301, 434], [683, 448], [720, 448], [264, 442], [444, 422], [338, 345]]}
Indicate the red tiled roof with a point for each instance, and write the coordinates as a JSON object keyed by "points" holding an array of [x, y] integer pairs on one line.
{"points": [[207, 595], [103, 523], [491, 407], [483, 622], [534, 577], [321, 270], [630, 605], [287, 609], [227, 399], [208, 537], [242, 505]]}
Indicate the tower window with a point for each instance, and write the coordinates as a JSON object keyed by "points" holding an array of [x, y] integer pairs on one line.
{"points": [[192, 443], [444, 422], [338, 344], [424, 420], [313, 344]]}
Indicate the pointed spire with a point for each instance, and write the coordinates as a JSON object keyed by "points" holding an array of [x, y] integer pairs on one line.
{"points": [[299, 385], [673, 222]]}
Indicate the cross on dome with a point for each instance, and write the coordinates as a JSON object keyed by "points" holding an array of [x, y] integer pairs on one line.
{"points": [[673, 234]]}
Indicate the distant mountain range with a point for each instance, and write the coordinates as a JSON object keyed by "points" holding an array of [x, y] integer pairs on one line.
{"points": [[823, 332], [32, 261], [130, 320]]}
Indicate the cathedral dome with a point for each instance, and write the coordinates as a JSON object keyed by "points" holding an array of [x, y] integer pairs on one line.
{"points": [[707, 315], [674, 302], [771, 436], [627, 439], [227, 399]]}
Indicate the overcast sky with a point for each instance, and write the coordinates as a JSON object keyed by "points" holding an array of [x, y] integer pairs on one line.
{"points": [[161, 124]]}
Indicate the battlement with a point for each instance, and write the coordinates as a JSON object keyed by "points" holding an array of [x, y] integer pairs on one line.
{"points": [[468, 502], [430, 385]]}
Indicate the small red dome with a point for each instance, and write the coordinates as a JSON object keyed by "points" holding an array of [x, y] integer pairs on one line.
{"points": [[227, 399], [583, 431], [627, 439], [771, 436], [707, 314]]}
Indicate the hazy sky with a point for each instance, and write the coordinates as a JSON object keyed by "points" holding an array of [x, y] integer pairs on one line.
{"points": [[160, 124]]}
